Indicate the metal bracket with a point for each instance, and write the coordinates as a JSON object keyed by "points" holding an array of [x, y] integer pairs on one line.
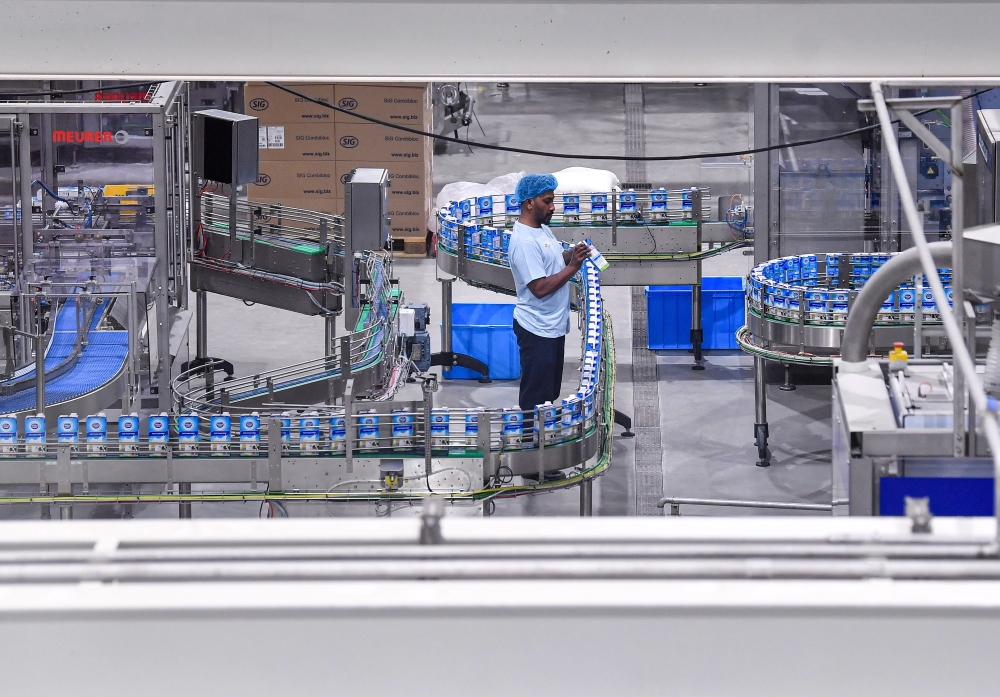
{"points": [[924, 133], [274, 454], [63, 483], [483, 443], [450, 359]]}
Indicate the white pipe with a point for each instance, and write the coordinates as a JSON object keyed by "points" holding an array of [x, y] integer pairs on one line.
{"points": [[960, 351]]}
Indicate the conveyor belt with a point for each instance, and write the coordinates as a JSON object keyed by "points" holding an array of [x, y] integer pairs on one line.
{"points": [[100, 360], [372, 335]]}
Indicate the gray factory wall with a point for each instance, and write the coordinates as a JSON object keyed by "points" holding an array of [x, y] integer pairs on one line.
{"points": [[570, 40]]}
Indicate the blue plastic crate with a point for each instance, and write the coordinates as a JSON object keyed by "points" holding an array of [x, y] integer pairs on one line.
{"points": [[486, 332], [668, 314]]}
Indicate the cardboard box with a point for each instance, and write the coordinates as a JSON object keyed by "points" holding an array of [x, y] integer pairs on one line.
{"points": [[298, 141], [277, 107], [283, 180], [374, 143], [408, 106]]}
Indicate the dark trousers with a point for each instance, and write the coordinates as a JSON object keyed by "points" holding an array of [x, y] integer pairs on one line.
{"points": [[541, 367]]}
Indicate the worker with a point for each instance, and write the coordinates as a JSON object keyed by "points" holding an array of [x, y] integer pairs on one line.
{"points": [[541, 270]]}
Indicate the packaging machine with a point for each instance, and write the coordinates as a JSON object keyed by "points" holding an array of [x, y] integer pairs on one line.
{"points": [[87, 264]]}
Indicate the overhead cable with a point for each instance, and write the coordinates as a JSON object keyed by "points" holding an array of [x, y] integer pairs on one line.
{"points": [[572, 156]]}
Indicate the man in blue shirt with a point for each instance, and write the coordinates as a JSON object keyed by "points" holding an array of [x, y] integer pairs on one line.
{"points": [[541, 271]]}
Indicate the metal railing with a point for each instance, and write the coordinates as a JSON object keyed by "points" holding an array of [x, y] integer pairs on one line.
{"points": [[675, 503]]}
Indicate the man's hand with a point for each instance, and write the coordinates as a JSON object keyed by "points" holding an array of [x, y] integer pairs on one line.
{"points": [[578, 255], [573, 258]]}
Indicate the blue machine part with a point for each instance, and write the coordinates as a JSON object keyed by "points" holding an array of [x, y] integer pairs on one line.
{"points": [[949, 496], [101, 359]]}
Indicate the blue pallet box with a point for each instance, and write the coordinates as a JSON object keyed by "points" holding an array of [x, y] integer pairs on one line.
{"points": [[723, 312], [485, 331]]}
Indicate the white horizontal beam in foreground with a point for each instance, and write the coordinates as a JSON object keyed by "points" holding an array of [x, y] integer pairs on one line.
{"points": [[576, 40], [495, 637]]}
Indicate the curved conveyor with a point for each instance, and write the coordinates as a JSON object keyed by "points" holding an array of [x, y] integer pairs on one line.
{"points": [[78, 384]]}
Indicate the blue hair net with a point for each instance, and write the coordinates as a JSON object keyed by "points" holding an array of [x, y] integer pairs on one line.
{"points": [[532, 185]]}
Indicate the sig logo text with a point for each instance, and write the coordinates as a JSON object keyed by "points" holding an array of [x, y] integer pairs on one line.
{"points": [[259, 104], [348, 103], [348, 142], [263, 179]]}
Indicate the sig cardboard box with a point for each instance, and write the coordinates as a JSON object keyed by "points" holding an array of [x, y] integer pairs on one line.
{"points": [[374, 143], [274, 106], [407, 105], [295, 180], [298, 141]]}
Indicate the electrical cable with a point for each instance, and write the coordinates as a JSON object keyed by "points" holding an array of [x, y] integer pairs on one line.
{"points": [[618, 158], [60, 93], [49, 191]]}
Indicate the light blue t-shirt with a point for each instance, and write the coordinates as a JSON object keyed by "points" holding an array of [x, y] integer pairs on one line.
{"points": [[536, 253]]}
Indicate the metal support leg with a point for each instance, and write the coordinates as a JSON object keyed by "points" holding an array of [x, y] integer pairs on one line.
{"points": [[65, 511], [184, 506], [446, 321], [959, 386], [970, 339], [760, 412], [201, 337], [201, 324], [24, 177], [161, 277], [39, 375], [329, 334], [587, 498], [787, 386], [697, 335]]}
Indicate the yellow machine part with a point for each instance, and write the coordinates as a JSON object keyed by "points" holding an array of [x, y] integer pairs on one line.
{"points": [[127, 189]]}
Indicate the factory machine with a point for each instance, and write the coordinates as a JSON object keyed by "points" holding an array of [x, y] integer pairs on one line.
{"points": [[798, 306], [917, 431], [95, 279], [358, 423]]}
